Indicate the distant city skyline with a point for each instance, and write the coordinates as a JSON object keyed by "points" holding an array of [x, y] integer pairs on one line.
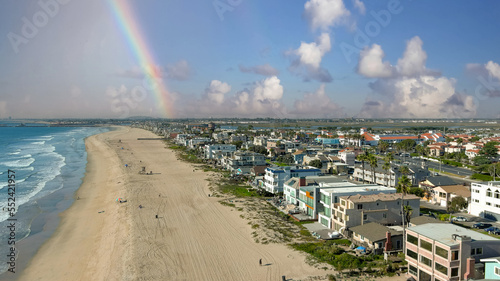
{"points": [[237, 58]]}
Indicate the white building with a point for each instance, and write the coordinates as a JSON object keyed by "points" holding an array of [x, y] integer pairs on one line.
{"points": [[347, 157], [292, 186], [193, 143], [242, 162], [213, 151], [276, 176], [485, 200]]}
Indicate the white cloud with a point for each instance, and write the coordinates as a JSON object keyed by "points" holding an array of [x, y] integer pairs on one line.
{"points": [[371, 65], [324, 14], [265, 69], [216, 90], [413, 61], [263, 99], [308, 57], [493, 69], [317, 104], [411, 90], [360, 6]]}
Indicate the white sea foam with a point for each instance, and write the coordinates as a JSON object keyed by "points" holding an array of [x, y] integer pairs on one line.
{"points": [[2, 185], [20, 163]]}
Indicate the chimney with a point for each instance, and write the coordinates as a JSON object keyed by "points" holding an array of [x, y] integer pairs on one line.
{"points": [[469, 273], [302, 181], [388, 241]]}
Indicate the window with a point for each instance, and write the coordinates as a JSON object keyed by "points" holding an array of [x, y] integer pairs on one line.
{"points": [[360, 206], [497, 206], [426, 245], [454, 272], [411, 254], [441, 268], [424, 276], [497, 194], [426, 261], [412, 270], [441, 252], [365, 217], [454, 255], [476, 251], [412, 239], [384, 215], [488, 192], [497, 271], [362, 238], [488, 204], [476, 200]]}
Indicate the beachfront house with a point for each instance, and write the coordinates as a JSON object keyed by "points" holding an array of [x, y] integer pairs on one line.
{"points": [[292, 186], [443, 251], [354, 210], [217, 151], [242, 162], [491, 268], [330, 196], [275, 177], [377, 238]]}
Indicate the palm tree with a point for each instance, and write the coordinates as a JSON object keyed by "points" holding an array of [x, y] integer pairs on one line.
{"points": [[408, 211], [386, 167], [389, 158], [383, 146], [372, 159], [362, 157], [404, 184]]}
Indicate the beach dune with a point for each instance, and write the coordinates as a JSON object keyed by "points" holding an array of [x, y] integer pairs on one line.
{"points": [[179, 233]]}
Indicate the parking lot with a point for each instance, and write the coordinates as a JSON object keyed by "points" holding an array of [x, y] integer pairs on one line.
{"points": [[471, 220]]}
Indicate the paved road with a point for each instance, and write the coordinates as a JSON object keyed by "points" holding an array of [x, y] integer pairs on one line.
{"points": [[437, 166]]}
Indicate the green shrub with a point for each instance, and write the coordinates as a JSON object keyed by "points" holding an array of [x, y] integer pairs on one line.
{"points": [[481, 177]]}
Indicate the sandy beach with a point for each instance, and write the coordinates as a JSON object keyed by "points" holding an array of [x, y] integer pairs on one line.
{"points": [[180, 233]]}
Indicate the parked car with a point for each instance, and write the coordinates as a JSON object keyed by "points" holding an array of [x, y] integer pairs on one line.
{"points": [[481, 225], [495, 231], [492, 229], [459, 219]]}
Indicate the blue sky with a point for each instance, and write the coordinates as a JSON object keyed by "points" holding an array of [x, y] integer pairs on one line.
{"points": [[296, 59]]}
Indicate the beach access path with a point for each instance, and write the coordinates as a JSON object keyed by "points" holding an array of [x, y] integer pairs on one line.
{"points": [[179, 233]]}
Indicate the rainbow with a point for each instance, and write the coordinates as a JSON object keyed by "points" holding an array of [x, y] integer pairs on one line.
{"points": [[139, 47]]}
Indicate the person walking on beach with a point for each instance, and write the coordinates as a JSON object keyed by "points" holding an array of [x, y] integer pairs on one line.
{"points": [[260, 262]]}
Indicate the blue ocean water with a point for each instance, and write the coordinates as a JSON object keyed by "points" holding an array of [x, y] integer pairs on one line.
{"points": [[49, 164]]}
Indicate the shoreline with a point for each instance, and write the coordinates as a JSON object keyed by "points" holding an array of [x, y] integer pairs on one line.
{"points": [[74, 225]]}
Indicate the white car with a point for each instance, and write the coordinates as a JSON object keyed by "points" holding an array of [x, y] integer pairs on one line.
{"points": [[459, 219]]}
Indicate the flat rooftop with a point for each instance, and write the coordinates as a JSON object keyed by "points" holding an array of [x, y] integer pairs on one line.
{"points": [[442, 233], [347, 187]]}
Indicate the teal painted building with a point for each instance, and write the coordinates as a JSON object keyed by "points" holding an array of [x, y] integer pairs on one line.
{"points": [[491, 268]]}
